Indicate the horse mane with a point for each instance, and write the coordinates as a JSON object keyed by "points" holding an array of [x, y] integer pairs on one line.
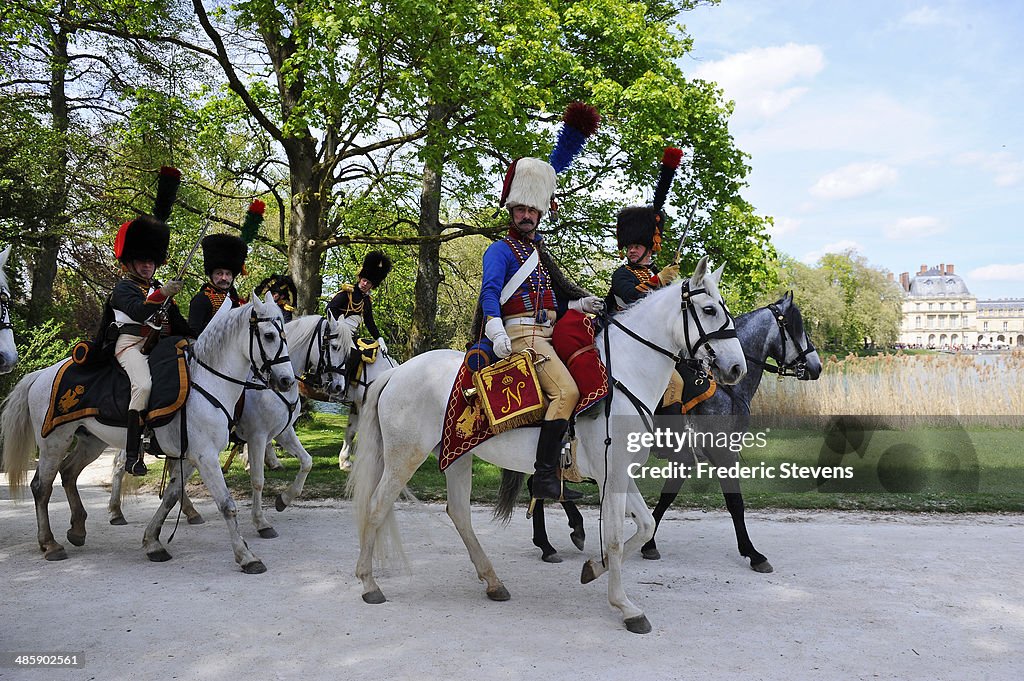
{"points": [[300, 333], [213, 341], [634, 308]]}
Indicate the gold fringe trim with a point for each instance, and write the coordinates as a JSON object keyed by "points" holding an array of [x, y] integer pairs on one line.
{"points": [[571, 472], [516, 421]]}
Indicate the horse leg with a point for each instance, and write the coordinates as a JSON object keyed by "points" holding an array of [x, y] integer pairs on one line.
{"points": [[257, 479], [290, 442], [668, 495], [345, 455], [380, 511], [42, 489], [151, 544], [85, 452], [208, 463], [734, 502], [114, 513], [575, 518], [614, 511], [459, 481], [188, 508], [548, 553], [271, 460]]}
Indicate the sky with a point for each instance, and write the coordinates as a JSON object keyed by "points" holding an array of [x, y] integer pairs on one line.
{"points": [[892, 127]]}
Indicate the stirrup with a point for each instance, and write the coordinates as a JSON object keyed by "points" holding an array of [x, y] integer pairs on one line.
{"points": [[136, 467]]}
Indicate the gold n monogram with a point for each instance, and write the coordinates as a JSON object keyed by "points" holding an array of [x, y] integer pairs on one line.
{"points": [[517, 396]]}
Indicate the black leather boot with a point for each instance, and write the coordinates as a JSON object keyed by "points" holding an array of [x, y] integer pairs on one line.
{"points": [[133, 446], [546, 483], [674, 409]]}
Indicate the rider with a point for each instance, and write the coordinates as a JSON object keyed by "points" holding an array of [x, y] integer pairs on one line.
{"points": [[638, 231], [223, 260], [138, 298], [524, 317], [353, 303], [282, 288]]}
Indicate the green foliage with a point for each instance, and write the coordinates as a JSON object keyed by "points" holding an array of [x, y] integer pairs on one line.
{"points": [[38, 348]]}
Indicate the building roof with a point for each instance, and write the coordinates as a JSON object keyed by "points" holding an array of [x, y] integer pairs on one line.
{"points": [[935, 283]]}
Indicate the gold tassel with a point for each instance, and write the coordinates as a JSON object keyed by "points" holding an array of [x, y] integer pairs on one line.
{"points": [[570, 471]]}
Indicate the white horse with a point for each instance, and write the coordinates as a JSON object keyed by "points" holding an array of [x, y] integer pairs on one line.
{"points": [[355, 395], [319, 348], [404, 411], [8, 351], [248, 338]]}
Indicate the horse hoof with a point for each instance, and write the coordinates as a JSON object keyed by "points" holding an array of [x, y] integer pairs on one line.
{"points": [[277, 469], [374, 597], [160, 556], [499, 594], [763, 567], [651, 554], [579, 537], [268, 533], [551, 558], [254, 568], [118, 520], [56, 554], [589, 574], [638, 624], [279, 504], [76, 539], [196, 519]]}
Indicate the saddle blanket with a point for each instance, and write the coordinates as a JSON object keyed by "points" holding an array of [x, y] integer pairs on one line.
{"points": [[466, 425], [102, 390], [697, 386]]}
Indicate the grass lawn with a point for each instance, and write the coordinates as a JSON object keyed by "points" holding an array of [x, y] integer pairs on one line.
{"points": [[952, 470]]}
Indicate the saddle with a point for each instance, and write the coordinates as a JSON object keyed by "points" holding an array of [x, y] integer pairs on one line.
{"points": [[508, 394], [87, 386], [364, 352], [697, 386]]}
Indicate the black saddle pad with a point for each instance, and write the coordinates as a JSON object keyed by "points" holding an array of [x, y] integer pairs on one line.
{"points": [[102, 391], [696, 386]]}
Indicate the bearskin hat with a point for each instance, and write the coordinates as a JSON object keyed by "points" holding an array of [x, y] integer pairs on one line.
{"points": [[376, 266], [529, 182], [282, 285], [144, 238], [640, 225], [223, 251]]}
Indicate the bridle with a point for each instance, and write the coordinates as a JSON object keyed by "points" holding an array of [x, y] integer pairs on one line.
{"points": [[5, 309], [798, 367], [318, 378]]}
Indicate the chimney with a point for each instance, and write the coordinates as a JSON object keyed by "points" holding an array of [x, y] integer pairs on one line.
{"points": [[924, 268], [949, 268], [889, 276], [942, 268], [905, 281]]}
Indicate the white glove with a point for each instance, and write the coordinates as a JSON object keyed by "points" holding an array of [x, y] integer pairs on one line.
{"points": [[495, 330], [382, 345], [590, 305], [172, 288]]}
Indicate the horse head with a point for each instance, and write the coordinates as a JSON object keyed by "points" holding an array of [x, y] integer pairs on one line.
{"points": [[708, 332], [268, 348], [8, 350], [798, 356], [336, 348]]}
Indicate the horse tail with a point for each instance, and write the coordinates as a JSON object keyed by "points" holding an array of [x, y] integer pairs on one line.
{"points": [[508, 492], [17, 434], [368, 471]]}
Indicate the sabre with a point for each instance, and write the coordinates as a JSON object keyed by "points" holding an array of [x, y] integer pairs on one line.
{"points": [[682, 239], [195, 246], [156, 319]]}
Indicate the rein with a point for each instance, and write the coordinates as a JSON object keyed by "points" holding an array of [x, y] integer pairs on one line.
{"points": [[324, 364]]}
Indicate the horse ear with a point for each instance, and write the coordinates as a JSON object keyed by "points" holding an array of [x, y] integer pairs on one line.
{"points": [[699, 273], [3, 256], [789, 296], [268, 298], [716, 276]]}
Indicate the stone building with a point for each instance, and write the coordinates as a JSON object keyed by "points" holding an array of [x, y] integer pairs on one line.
{"points": [[939, 311]]}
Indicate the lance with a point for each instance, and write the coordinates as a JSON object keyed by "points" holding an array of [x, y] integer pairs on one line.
{"points": [[682, 239]]}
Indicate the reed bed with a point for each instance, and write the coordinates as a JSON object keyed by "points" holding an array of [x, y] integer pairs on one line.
{"points": [[901, 389]]}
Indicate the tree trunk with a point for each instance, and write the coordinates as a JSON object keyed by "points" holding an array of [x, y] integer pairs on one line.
{"points": [[428, 268], [44, 265], [304, 225]]}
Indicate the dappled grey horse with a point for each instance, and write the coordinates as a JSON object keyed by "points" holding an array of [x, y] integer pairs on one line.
{"points": [[775, 331]]}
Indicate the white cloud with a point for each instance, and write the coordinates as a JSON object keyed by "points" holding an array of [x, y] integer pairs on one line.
{"points": [[1006, 170], [782, 226], [760, 80], [998, 273], [851, 181], [917, 227], [838, 247], [927, 16]]}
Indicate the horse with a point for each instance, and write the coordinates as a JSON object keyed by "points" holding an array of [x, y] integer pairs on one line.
{"points": [[355, 395], [639, 350], [237, 341], [320, 346], [8, 350], [774, 331]]}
